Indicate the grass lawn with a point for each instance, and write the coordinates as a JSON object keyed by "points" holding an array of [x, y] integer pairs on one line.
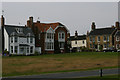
{"points": [[31, 65]]}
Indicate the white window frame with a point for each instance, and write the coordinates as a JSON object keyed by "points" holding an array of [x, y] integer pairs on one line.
{"points": [[61, 45], [98, 38], [49, 45], [15, 49], [11, 49], [104, 38], [108, 38], [117, 38], [15, 38], [50, 36], [12, 41], [61, 35], [31, 39]]}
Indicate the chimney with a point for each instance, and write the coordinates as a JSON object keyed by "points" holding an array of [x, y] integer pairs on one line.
{"points": [[68, 35], [31, 19], [113, 26], [2, 28], [38, 21], [76, 34], [93, 26], [2, 21], [87, 33], [30, 22], [117, 25]]}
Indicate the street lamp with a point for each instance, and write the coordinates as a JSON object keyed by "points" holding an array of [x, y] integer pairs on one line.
{"points": [[100, 71]]}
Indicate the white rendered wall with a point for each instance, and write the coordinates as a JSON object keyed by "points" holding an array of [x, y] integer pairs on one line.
{"points": [[79, 43], [6, 40]]}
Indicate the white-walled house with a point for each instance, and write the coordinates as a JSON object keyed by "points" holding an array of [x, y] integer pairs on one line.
{"points": [[19, 40], [77, 41]]}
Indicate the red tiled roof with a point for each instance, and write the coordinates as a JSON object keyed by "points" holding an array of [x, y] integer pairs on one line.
{"points": [[45, 26]]}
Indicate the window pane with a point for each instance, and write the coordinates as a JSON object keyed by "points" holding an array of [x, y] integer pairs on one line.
{"points": [[16, 49], [62, 35], [16, 39], [27, 49], [31, 40], [11, 39], [31, 49], [11, 49]]}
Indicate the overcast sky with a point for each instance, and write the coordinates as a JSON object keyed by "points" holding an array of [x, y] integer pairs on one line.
{"points": [[74, 15]]}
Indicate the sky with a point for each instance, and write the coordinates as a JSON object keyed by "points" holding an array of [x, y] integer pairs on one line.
{"points": [[74, 15]]}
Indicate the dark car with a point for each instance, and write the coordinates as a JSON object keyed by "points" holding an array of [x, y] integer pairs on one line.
{"points": [[110, 50]]}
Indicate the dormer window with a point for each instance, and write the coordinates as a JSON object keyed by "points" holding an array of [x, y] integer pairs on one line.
{"points": [[19, 30]]}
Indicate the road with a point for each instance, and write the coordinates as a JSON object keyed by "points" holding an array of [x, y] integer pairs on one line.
{"points": [[72, 74]]}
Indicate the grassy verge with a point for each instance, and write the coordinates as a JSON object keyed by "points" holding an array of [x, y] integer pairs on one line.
{"points": [[32, 65]]}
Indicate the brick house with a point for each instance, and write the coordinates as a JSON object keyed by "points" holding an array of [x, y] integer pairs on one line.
{"points": [[51, 37], [117, 38], [101, 38]]}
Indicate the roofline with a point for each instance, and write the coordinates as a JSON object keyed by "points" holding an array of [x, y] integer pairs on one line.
{"points": [[62, 26]]}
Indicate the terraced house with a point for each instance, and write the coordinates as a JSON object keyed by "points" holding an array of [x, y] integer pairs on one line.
{"points": [[101, 38], [50, 37]]}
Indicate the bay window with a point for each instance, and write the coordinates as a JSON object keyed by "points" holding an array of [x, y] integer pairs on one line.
{"points": [[50, 35], [49, 45]]}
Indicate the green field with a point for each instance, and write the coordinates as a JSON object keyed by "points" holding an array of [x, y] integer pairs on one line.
{"points": [[52, 63]]}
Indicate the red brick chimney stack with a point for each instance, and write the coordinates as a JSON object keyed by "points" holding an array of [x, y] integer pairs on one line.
{"points": [[2, 21], [87, 33], [117, 25]]}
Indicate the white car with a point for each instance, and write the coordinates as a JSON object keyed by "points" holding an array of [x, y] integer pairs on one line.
{"points": [[118, 50]]}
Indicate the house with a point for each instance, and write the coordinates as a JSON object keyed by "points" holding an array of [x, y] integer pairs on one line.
{"points": [[117, 39], [18, 40], [101, 38], [77, 41], [50, 37]]}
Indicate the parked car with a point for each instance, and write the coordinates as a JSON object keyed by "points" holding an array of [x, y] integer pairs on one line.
{"points": [[118, 50], [109, 50]]}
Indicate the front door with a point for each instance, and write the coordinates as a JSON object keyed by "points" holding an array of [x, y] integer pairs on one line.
{"points": [[22, 50]]}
